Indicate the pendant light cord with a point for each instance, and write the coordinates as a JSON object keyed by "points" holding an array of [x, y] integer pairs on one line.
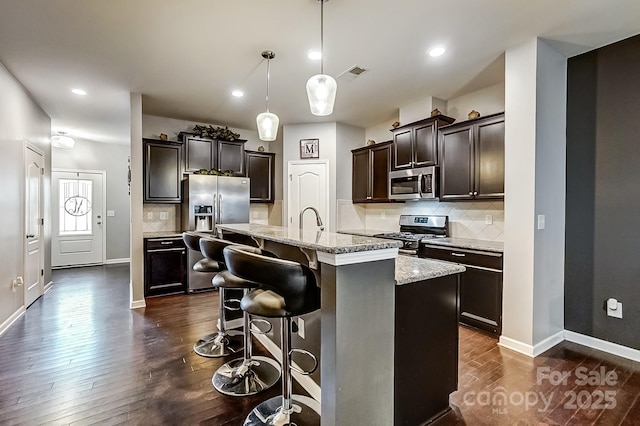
{"points": [[322, 36], [268, 63]]}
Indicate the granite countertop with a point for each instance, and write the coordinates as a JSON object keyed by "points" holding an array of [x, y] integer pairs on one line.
{"points": [[411, 269], [364, 232], [323, 241], [162, 234], [468, 243]]}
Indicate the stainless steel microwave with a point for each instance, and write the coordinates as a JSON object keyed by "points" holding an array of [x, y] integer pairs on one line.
{"points": [[414, 184]]}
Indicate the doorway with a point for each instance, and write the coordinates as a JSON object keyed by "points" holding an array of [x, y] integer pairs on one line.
{"points": [[78, 223], [308, 187], [34, 217]]}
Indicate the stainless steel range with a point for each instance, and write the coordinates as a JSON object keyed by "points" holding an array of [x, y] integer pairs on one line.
{"points": [[415, 228]]}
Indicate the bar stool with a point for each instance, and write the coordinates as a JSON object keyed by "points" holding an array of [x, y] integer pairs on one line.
{"points": [[247, 375], [287, 289], [222, 342]]}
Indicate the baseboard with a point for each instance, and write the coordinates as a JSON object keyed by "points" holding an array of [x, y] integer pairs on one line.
{"points": [[13, 318], [529, 350], [48, 287], [603, 345], [137, 304], [115, 261], [305, 381]]}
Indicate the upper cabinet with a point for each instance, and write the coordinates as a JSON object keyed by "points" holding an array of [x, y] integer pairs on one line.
{"points": [[472, 159], [371, 166], [260, 168], [162, 169], [211, 154], [416, 144]]}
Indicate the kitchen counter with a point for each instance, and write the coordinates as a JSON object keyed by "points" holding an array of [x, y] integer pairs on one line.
{"points": [[162, 234], [367, 291], [411, 269]]}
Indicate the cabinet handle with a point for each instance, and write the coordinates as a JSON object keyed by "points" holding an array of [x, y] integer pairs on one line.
{"points": [[368, 198], [458, 254], [470, 193], [475, 193], [166, 242]]}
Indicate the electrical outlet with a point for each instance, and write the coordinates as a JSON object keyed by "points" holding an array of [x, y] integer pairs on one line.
{"points": [[255, 215], [150, 215], [164, 215], [383, 215], [488, 219], [301, 327], [540, 221]]}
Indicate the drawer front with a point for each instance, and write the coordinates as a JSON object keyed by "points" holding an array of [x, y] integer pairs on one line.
{"points": [[164, 243], [466, 257]]}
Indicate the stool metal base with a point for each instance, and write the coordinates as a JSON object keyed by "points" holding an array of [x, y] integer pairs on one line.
{"points": [[241, 377], [217, 345], [305, 411]]}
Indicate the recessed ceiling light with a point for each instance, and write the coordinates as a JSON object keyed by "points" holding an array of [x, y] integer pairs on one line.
{"points": [[437, 51], [315, 55], [79, 92], [237, 93]]}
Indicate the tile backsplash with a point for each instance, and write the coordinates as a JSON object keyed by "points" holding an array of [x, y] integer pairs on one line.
{"points": [[482, 220]]}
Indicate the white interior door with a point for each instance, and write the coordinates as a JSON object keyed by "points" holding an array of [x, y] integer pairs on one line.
{"points": [[78, 218], [34, 252], [308, 187]]}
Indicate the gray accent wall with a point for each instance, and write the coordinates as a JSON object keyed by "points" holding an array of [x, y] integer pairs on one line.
{"points": [[112, 158], [603, 172]]}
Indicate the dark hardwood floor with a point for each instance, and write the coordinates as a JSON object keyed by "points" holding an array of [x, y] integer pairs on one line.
{"points": [[81, 356]]}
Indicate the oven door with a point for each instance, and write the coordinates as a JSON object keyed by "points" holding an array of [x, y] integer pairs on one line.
{"points": [[413, 184]]}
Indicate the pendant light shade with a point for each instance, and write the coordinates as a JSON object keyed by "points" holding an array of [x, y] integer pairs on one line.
{"points": [[62, 141], [321, 88], [267, 121]]}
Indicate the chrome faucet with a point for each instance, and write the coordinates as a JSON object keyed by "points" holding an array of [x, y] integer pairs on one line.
{"points": [[318, 220]]}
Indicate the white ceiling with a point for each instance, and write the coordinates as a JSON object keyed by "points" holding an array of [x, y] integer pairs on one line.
{"points": [[186, 56]]}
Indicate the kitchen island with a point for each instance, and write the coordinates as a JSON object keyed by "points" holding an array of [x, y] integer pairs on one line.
{"points": [[363, 351]]}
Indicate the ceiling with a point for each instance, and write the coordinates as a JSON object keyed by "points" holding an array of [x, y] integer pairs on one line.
{"points": [[186, 56]]}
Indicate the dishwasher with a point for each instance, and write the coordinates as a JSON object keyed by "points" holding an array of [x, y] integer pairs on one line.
{"points": [[165, 266]]}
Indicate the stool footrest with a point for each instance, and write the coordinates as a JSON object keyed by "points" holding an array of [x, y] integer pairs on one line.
{"points": [[304, 352], [257, 329], [229, 307]]}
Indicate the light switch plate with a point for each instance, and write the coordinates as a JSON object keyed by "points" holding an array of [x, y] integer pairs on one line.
{"points": [[541, 221], [111, 213]]}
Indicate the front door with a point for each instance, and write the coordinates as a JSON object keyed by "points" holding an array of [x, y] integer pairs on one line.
{"points": [[78, 218], [34, 260], [308, 187]]}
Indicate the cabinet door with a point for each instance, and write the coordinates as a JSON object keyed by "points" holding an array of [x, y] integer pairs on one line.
{"points": [[424, 145], [403, 144], [260, 170], [162, 172], [380, 168], [481, 299], [456, 163], [360, 185], [231, 157], [489, 157], [165, 271], [200, 153]]}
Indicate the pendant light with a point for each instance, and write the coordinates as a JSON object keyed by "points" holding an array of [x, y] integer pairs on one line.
{"points": [[267, 121], [321, 88], [62, 141]]}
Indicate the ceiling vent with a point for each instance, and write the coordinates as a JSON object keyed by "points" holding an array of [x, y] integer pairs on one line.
{"points": [[351, 73]]}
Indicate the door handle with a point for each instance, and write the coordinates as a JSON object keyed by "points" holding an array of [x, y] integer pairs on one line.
{"points": [[99, 223], [30, 235]]}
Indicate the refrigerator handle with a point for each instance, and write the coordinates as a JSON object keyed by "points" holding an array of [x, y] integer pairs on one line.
{"points": [[215, 210], [219, 209]]}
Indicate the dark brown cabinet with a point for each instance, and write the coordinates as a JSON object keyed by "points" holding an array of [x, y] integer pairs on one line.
{"points": [[416, 144], [162, 171], [480, 285], [472, 159], [260, 168], [370, 173], [165, 262], [211, 154]]}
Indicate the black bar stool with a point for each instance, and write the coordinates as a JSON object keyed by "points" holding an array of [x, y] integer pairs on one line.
{"points": [[287, 289], [247, 375]]}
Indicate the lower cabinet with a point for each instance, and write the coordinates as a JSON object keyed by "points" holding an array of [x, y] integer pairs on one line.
{"points": [[165, 266], [480, 285]]}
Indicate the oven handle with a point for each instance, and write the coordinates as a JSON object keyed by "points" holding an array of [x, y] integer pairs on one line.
{"points": [[420, 185]]}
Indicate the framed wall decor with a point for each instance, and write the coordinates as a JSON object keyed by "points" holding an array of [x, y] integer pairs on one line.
{"points": [[309, 148]]}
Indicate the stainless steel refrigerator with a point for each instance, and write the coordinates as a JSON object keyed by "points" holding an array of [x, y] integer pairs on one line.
{"points": [[207, 201]]}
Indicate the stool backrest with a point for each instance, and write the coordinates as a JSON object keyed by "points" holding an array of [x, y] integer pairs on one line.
{"points": [[212, 248], [191, 240], [295, 282]]}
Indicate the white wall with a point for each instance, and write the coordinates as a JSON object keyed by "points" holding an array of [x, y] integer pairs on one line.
{"points": [[21, 120], [535, 94], [112, 158], [486, 101]]}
